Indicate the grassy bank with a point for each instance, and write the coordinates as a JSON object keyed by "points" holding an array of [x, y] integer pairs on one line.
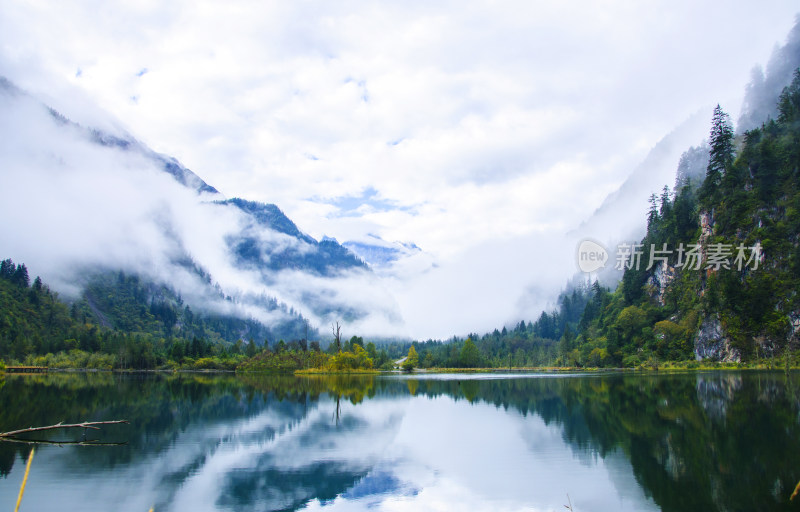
{"points": [[326, 371]]}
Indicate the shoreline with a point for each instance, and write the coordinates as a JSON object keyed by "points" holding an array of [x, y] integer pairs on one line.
{"points": [[667, 368]]}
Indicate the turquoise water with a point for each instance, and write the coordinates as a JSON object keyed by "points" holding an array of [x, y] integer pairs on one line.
{"points": [[497, 442]]}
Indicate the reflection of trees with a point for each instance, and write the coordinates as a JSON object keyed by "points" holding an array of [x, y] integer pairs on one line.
{"points": [[718, 441], [695, 441], [162, 408], [349, 387], [159, 408]]}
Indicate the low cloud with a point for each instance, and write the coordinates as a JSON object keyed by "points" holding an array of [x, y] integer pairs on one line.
{"points": [[470, 129], [78, 206]]}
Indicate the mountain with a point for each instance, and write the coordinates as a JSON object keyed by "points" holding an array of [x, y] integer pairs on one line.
{"points": [[715, 276], [325, 258], [123, 142], [379, 253], [736, 209], [92, 202], [762, 93], [719, 264], [617, 218], [731, 295], [749, 202]]}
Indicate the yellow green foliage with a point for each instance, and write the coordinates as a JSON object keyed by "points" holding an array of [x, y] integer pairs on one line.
{"points": [[74, 359], [355, 360], [412, 360], [283, 361]]}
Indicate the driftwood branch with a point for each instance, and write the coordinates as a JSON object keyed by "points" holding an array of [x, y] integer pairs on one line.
{"points": [[85, 424], [89, 442]]}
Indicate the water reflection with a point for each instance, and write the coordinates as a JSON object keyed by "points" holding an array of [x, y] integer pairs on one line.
{"points": [[716, 441]]}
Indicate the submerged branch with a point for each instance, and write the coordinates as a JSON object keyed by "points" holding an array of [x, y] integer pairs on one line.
{"points": [[90, 442], [85, 424]]}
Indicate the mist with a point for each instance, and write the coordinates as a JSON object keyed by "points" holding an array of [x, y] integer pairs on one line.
{"points": [[476, 143], [74, 206]]}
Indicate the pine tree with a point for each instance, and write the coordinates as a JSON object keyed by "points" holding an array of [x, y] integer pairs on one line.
{"points": [[251, 349], [652, 214], [7, 269], [664, 209], [470, 356], [720, 156], [789, 102], [20, 277]]}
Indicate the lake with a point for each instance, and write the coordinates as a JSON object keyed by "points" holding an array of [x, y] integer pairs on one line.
{"points": [[483, 442]]}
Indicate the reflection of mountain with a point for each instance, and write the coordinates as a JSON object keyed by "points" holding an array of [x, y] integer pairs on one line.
{"points": [[696, 442], [197, 424], [273, 483], [117, 205], [717, 441]]}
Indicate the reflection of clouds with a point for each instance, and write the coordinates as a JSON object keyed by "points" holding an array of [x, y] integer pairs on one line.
{"points": [[312, 457], [386, 453], [376, 483], [450, 455], [157, 478]]}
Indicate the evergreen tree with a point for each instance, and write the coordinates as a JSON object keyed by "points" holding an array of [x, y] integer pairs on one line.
{"points": [[470, 356], [251, 349], [720, 158], [652, 214], [7, 269], [20, 277], [789, 102]]}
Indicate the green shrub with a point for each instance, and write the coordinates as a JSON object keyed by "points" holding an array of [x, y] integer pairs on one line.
{"points": [[214, 363], [631, 361], [358, 359], [285, 361]]}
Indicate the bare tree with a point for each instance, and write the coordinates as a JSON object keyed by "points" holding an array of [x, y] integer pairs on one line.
{"points": [[337, 335]]}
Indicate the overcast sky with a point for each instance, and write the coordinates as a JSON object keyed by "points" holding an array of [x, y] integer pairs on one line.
{"points": [[457, 126]]}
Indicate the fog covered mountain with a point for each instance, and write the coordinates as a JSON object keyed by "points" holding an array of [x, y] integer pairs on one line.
{"points": [[618, 217], [680, 156], [761, 94], [87, 200], [379, 253], [683, 153]]}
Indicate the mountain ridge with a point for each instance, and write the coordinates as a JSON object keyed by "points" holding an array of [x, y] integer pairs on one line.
{"points": [[256, 247]]}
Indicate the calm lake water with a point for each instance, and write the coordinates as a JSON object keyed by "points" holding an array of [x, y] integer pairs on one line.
{"points": [[683, 442]]}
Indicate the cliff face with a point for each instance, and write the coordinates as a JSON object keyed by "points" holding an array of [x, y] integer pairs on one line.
{"points": [[711, 340], [712, 343], [663, 275], [743, 236]]}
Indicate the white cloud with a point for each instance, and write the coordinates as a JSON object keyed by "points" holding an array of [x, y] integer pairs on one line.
{"points": [[482, 122], [78, 205]]}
